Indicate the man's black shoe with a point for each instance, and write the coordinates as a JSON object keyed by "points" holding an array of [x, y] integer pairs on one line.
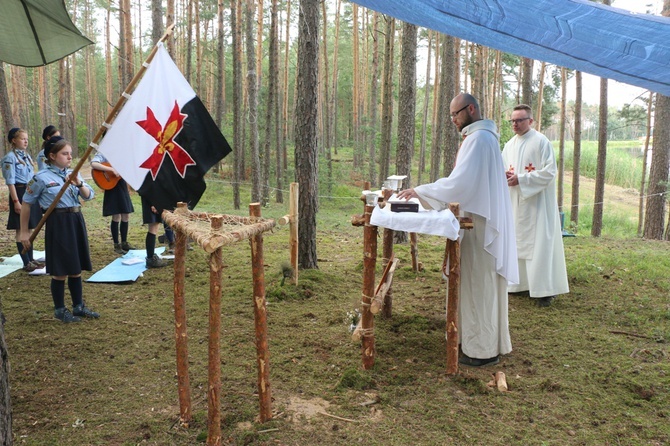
{"points": [[475, 362], [545, 301]]}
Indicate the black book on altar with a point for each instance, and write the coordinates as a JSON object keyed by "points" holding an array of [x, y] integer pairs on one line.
{"points": [[404, 206]]}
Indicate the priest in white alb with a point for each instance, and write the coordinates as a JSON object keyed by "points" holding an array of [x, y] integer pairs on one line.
{"points": [[488, 251], [531, 177]]}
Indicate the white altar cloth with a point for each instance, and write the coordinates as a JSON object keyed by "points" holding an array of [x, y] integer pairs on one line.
{"points": [[432, 222]]}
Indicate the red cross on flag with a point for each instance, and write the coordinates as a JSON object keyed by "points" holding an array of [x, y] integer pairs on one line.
{"points": [[164, 140]]}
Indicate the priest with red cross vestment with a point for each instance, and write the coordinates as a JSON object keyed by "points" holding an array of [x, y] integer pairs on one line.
{"points": [[531, 177]]}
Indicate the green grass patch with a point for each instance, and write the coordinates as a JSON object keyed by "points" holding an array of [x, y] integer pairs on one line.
{"points": [[591, 369]]}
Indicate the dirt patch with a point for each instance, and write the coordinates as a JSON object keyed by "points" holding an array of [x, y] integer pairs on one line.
{"points": [[299, 409]]}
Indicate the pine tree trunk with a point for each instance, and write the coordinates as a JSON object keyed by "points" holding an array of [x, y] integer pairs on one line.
{"points": [[157, 28], [252, 97], [450, 138], [108, 60], [356, 124], [561, 138], [170, 20], [306, 163], [40, 72], [437, 122], [658, 172], [527, 81], [285, 124], [540, 98], [577, 152], [407, 103], [374, 99], [387, 101], [121, 54], [63, 99], [18, 98], [645, 154], [189, 40], [270, 103], [334, 84], [597, 222], [259, 42], [274, 54], [660, 156], [129, 70], [237, 100], [198, 49], [219, 94], [424, 118], [325, 93], [479, 81], [406, 111], [5, 108]]}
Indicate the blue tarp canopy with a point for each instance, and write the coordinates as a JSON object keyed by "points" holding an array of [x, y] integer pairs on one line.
{"points": [[578, 34]]}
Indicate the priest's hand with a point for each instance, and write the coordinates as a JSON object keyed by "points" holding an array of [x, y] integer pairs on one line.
{"points": [[512, 180], [407, 194]]}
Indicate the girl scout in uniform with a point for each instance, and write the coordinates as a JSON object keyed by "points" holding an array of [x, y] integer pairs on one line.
{"points": [[66, 238], [116, 202], [18, 169]]}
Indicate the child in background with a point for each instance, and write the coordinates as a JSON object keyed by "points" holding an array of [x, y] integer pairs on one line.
{"points": [[151, 218], [18, 169], [167, 238], [48, 132], [66, 238], [116, 202]]}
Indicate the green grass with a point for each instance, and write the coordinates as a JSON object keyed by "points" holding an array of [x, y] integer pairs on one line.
{"points": [[592, 369], [623, 162]]}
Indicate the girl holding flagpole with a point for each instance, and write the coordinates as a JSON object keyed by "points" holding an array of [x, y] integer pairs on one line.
{"points": [[18, 169], [66, 238]]}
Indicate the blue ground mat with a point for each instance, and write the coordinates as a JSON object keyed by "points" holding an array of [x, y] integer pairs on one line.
{"points": [[10, 264], [124, 269]]}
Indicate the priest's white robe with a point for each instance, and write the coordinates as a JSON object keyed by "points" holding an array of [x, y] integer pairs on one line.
{"points": [[539, 237], [488, 252]]}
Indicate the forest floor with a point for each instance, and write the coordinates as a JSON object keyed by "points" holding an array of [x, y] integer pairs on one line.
{"points": [[592, 369]]}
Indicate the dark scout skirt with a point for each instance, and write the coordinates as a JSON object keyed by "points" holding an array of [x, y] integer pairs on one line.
{"points": [[148, 216], [66, 243], [117, 200], [14, 219]]}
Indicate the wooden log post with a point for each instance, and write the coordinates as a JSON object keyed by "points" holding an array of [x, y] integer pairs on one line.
{"points": [[453, 253], [369, 265], [293, 229], [260, 318], [214, 350], [387, 255], [181, 339], [414, 251]]}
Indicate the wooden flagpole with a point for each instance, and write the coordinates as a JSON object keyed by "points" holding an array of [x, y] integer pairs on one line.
{"points": [[110, 118]]}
